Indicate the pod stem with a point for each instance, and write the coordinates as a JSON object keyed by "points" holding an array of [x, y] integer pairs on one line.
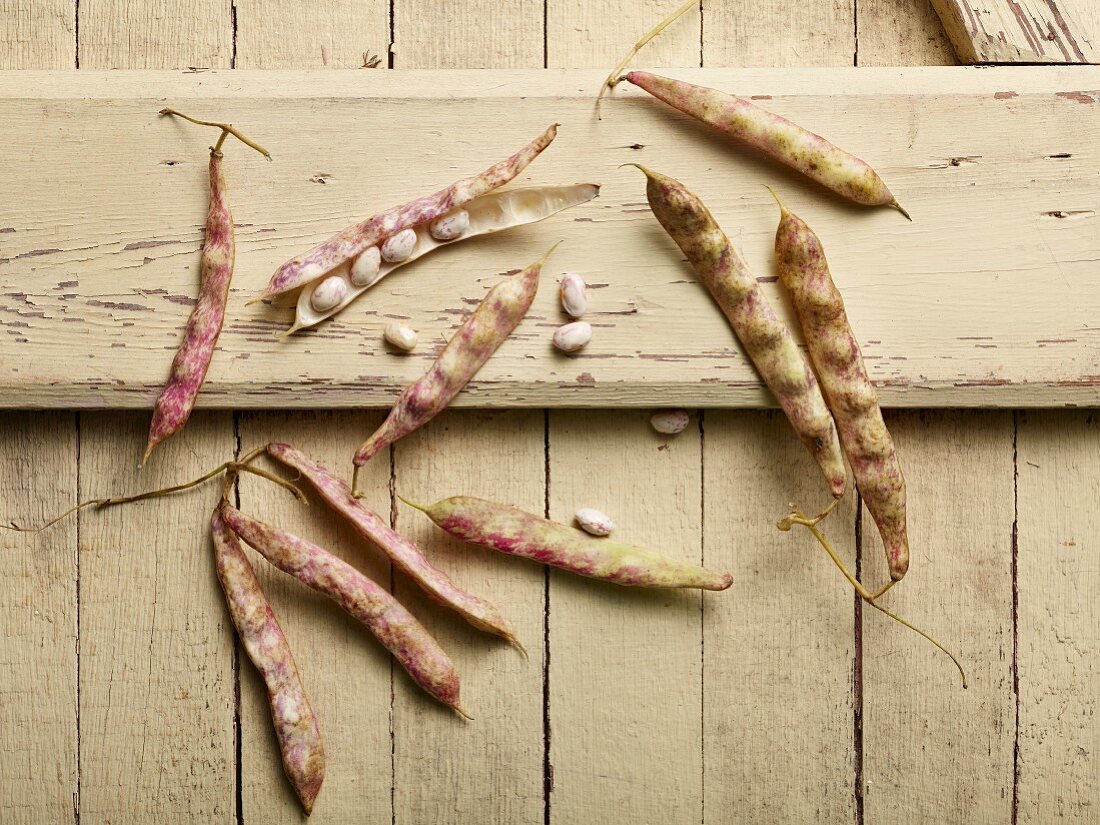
{"points": [[227, 129], [782, 208], [810, 524], [230, 468], [613, 79]]}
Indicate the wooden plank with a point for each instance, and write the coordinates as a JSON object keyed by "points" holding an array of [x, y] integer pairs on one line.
{"points": [[1017, 31], [347, 673], [901, 33], [917, 719], [284, 34], [38, 621], [625, 675], [95, 292], [490, 769], [780, 33], [159, 34], [1059, 681], [156, 675], [37, 34], [779, 647], [581, 34], [470, 34]]}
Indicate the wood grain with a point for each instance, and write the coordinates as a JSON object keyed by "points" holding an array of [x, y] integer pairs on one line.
{"points": [[626, 664], [901, 33], [581, 34], [338, 34], [948, 317], [156, 675], [468, 34], [38, 621], [37, 34], [821, 33], [1018, 31], [155, 34], [778, 675], [346, 672], [1059, 679], [490, 769], [917, 720]]}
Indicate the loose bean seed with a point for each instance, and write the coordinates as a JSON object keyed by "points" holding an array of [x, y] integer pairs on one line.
{"points": [[401, 336], [670, 422], [572, 337], [574, 294], [594, 522]]}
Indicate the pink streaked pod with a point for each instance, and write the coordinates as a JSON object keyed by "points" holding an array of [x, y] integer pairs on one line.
{"points": [[838, 361], [295, 723], [403, 552], [512, 531], [782, 139], [499, 312], [394, 626], [767, 340], [344, 246]]}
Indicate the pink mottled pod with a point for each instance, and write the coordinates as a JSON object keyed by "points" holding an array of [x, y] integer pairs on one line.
{"points": [[295, 723], [837, 359], [768, 342], [512, 531]]}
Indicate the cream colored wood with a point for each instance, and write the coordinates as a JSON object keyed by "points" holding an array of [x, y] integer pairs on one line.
{"points": [[346, 672], [598, 35], [156, 675], [38, 620], [37, 34], [778, 740], [779, 33], [1019, 31], [286, 34], [489, 769], [918, 722], [948, 317], [901, 33], [625, 676], [155, 34], [468, 34], [1059, 678]]}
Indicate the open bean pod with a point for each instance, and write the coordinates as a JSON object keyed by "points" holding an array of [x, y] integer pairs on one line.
{"points": [[494, 212]]}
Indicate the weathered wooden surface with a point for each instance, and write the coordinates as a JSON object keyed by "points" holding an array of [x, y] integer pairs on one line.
{"points": [[1019, 31], [802, 701], [949, 315]]}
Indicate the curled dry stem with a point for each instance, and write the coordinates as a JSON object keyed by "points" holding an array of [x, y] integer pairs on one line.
{"points": [[230, 468], [811, 524], [614, 78], [227, 129]]}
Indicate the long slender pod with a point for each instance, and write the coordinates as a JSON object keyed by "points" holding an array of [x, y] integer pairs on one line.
{"points": [[402, 551], [765, 337], [837, 359], [499, 312], [512, 531], [295, 723], [782, 139], [394, 626], [354, 239]]}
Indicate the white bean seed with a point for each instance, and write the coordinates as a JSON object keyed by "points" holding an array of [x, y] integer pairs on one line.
{"points": [[594, 522], [670, 422], [329, 294], [574, 294], [399, 247], [364, 269], [572, 337], [451, 226], [400, 336]]}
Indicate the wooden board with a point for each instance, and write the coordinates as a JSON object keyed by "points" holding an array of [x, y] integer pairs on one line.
{"points": [[1018, 31], [989, 298]]}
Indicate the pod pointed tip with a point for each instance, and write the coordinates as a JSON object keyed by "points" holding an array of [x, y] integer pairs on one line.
{"points": [[462, 712], [148, 452], [894, 203], [423, 508]]}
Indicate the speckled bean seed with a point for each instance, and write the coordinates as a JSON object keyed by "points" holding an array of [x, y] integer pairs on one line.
{"points": [[400, 336], [670, 422], [399, 247], [329, 293], [574, 294], [594, 522], [451, 226], [365, 267], [571, 337]]}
